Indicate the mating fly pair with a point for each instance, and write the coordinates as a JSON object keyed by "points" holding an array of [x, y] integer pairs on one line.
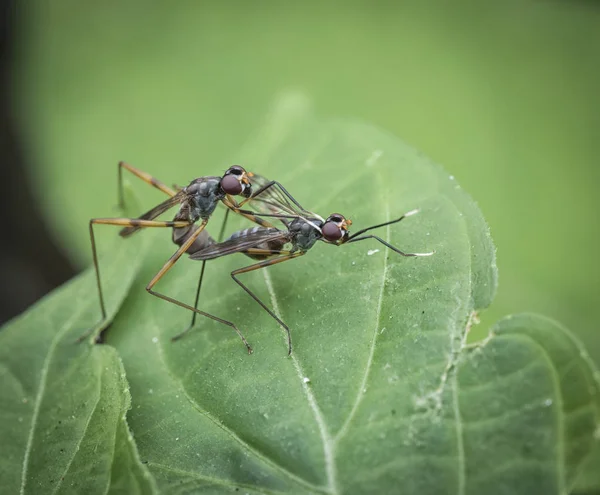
{"points": [[265, 243]]}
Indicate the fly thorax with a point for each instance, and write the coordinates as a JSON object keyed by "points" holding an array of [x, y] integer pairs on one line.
{"points": [[203, 196], [304, 234]]}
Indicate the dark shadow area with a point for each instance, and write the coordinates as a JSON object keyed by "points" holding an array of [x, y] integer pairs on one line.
{"points": [[31, 264]]}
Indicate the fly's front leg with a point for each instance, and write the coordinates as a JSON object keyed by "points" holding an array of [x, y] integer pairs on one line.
{"points": [[272, 184], [147, 178]]}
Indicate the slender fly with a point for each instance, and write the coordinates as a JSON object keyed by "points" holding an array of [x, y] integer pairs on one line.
{"points": [[301, 230], [197, 202]]}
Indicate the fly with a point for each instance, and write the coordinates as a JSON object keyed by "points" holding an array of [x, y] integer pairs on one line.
{"points": [[268, 245], [197, 201]]}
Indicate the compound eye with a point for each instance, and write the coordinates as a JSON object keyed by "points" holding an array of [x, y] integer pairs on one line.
{"points": [[231, 185], [235, 170], [331, 231]]}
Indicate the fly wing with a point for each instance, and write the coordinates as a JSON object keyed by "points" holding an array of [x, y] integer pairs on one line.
{"points": [[241, 244], [274, 201], [154, 212]]}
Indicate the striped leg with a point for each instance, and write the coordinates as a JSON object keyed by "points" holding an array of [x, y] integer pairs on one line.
{"points": [[197, 299], [130, 222], [167, 266], [142, 175]]}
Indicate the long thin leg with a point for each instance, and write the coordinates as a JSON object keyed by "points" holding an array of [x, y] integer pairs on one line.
{"points": [[270, 184], [250, 214], [237, 207], [116, 221], [222, 231], [393, 248], [142, 175], [197, 299], [258, 266], [231, 204], [168, 265]]}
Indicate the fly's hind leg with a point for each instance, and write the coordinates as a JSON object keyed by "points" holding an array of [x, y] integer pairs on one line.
{"points": [[126, 222]]}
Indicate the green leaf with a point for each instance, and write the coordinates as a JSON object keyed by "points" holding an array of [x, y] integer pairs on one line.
{"points": [[382, 389], [383, 392], [63, 404]]}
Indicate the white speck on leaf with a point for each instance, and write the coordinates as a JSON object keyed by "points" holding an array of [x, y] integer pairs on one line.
{"points": [[371, 252], [306, 379], [548, 402], [372, 160], [155, 340], [150, 391]]}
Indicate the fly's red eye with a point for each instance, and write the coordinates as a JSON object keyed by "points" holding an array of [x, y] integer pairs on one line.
{"points": [[331, 231], [231, 185]]}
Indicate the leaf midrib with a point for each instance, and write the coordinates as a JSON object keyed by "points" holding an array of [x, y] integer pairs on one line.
{"points": [[328, 444], [360, 393], [232, 434]]}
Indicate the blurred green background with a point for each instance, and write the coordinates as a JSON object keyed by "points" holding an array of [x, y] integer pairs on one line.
{"points": [[505, 95]]}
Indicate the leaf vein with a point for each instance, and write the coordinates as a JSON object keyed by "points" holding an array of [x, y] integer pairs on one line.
{"points": [[360, 394], [209, 479], [79, 442], [41, 390], [232, 434], [328, 444]]}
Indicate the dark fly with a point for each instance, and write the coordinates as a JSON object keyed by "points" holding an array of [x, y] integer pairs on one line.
{"points": [[270, 245], [197, 201]]}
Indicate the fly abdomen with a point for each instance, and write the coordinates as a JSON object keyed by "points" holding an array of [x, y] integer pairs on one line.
{"points": [[242, 234], [268, 245], [180, 235]]}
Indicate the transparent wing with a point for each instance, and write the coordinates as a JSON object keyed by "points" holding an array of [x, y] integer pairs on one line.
{"points": [[241, 244], [274, 200]]}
